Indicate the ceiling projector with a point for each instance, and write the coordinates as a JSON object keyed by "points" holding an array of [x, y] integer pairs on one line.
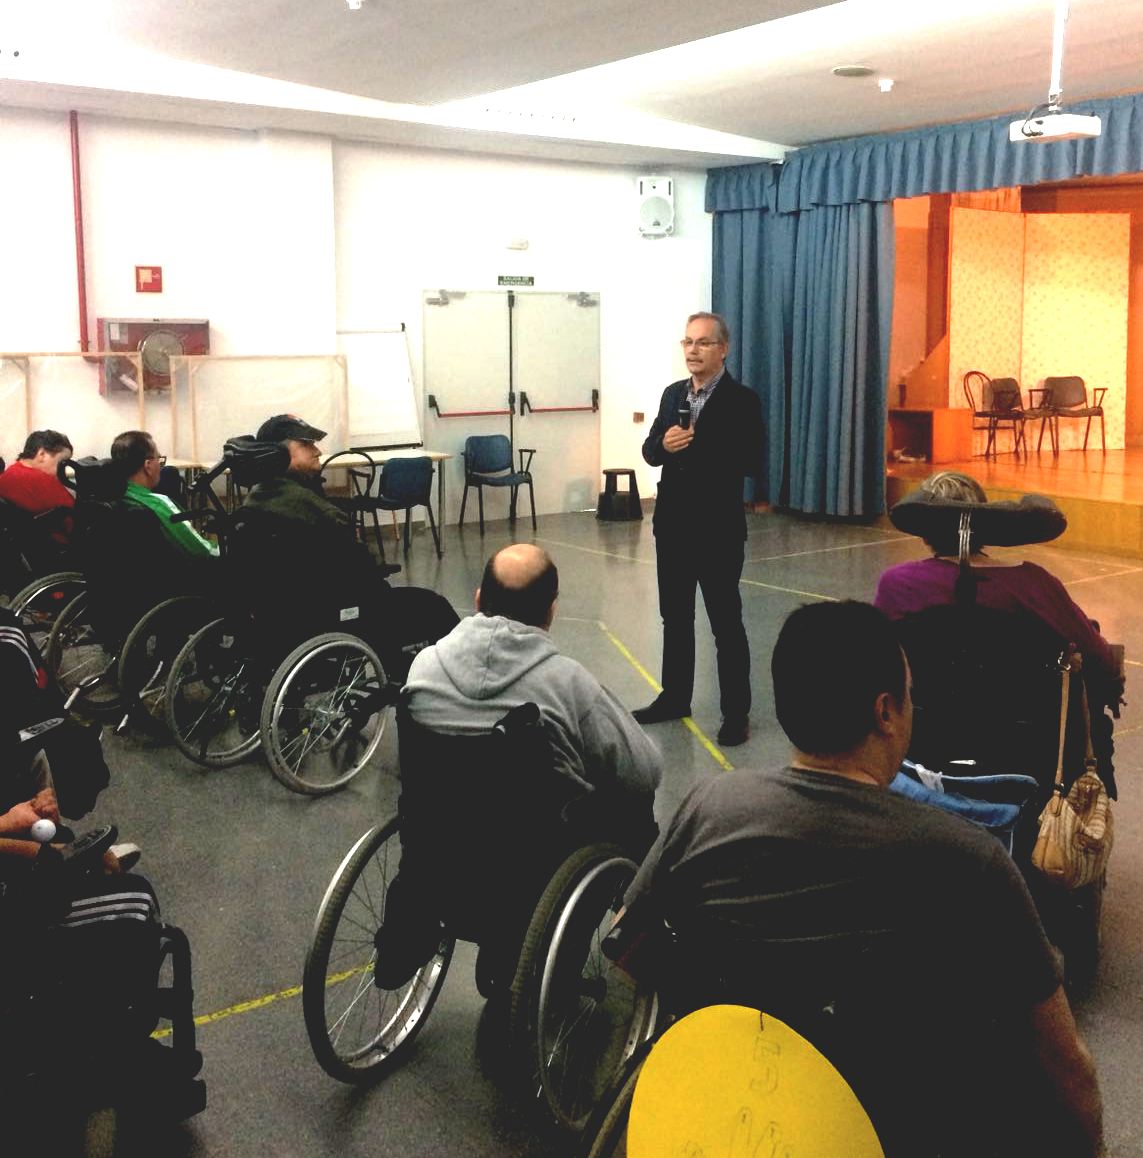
{"points": [[1054, 126]]}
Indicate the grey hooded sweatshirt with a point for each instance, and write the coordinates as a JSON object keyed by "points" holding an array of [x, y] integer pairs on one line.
{"points": [[488, 665]]}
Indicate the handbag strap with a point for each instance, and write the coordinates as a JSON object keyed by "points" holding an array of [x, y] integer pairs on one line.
{"points": [[1065, 685], [1089, 755]]}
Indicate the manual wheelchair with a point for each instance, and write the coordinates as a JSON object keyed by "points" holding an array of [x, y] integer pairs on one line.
{"points": [[490, 845], [132, 603], [29, 547], [283, 664]]}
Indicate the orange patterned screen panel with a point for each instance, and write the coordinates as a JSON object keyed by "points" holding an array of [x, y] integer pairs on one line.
{"points": [[1035, 295], [986, 272], [1076, 271]]}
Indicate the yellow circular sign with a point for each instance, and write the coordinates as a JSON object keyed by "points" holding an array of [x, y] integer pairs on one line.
{"points": [[729, 1082]]}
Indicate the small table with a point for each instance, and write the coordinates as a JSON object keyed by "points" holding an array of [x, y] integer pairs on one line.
{"points": [[381, 456]]}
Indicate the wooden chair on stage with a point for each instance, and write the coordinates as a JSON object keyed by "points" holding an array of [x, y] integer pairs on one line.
{"points": [[1001, 404], [1066, 397]]}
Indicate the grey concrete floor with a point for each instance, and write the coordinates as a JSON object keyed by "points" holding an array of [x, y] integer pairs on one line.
{"points": [[241, 864]]}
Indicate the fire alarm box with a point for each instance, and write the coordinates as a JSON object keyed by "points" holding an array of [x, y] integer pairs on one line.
{"points": [[155, 339]]}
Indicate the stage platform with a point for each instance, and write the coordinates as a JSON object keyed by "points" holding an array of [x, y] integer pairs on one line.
{"points": [[1100, 492]]}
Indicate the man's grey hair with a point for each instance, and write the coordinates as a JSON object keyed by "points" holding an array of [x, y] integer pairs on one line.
{"points": [[719, 321]]}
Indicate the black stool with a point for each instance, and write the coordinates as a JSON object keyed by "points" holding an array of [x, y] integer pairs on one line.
{"points": [[616, 505]]}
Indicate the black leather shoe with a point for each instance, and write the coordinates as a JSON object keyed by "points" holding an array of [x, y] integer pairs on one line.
{"points": [[661, 709], [735, 730]]}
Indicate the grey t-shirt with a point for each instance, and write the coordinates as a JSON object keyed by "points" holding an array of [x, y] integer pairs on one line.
{"points": [[920, 924]]}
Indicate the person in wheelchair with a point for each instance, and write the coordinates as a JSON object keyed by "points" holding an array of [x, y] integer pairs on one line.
{"points": [[898, 939], [137, 457], [1003, 584], [599, 770], [287, 527], [31, 704], [83, 948], [32, 483]]}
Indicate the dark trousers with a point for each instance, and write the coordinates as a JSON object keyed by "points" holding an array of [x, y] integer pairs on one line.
{"points": [[684, 565]]}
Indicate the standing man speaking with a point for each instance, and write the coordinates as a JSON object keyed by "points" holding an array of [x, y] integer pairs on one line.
{"points": [[707, 437]]}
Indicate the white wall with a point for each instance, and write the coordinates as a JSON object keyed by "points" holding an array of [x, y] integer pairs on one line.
{"points": [[281, 239], [410, 220]]}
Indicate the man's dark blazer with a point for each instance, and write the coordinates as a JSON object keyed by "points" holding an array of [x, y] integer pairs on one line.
{"points": [[700, 490]]}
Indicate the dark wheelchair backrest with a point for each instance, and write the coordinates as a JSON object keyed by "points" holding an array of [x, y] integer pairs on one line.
{"points": [[986, 692], [27, 547], [866, 1000], [126, 559], [486, 816]]}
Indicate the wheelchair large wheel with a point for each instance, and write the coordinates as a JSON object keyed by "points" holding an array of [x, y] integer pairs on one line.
{"points": [[39, 604], [605, 1135], [356, 1029], [148, 653], [582, 1015], [325, 713], [83, 663], [213, 698]]}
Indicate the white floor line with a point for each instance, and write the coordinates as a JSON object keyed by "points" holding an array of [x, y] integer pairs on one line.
{"points": [[824, 550], [1107, 575]]}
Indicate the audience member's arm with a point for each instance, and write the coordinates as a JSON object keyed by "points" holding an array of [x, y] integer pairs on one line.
{"points": [[617, 746], [1068, 1067]]}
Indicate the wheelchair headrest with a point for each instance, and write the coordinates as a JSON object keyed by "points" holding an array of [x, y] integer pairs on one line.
{"points": [[99, 480], [1004, 523], [251, 462]]}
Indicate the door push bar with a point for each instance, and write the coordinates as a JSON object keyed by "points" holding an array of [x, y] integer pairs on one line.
{"points": [[526, 406], [463, 413]]}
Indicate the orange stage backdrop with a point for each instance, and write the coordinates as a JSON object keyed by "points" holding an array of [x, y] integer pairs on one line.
{"points": [[1033, 295]]}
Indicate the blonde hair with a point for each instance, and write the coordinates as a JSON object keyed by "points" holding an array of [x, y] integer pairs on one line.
{"points": [[951, 486]]}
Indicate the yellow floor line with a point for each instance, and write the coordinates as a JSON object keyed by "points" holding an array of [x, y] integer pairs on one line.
{"points": [[260, 1002], [691, 726]]}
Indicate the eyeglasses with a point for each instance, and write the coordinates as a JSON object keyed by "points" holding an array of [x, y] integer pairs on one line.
{"points": [[699, 343], [161, 459]]}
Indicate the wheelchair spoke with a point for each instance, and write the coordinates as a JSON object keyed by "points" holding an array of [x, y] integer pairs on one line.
{"points": [[325, 714], [356, 1026]]}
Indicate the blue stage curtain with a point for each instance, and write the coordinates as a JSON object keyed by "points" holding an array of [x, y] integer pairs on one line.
{"points": [[803, 272], [808, 297], [839, 357]]}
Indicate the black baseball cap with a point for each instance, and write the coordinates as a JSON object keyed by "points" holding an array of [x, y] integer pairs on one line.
{"points": [[283, 426]]}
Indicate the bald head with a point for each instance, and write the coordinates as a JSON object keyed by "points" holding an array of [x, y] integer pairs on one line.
{"points": [[520, 582]]}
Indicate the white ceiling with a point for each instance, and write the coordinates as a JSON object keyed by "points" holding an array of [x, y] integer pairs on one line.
{"points": [[594, 80]]}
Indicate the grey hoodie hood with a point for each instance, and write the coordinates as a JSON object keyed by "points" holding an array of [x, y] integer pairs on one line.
{"points": [[486, 654]]}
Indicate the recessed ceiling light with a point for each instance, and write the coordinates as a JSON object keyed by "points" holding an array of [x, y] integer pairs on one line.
{"points": [[354, 5], [852, 70], [885, 83]]}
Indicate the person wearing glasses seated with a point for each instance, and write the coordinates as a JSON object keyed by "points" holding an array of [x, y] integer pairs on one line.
{"points": [[139, 460]]}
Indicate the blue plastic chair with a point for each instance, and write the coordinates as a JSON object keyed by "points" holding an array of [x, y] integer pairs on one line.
{"points": [[488, 463], [407, 483]]}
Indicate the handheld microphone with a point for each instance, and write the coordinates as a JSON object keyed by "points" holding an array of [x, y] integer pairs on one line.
{"points": [[685, 417]]}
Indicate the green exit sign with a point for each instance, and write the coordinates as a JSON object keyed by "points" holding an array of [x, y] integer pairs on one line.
{"points": [[514, 279]]}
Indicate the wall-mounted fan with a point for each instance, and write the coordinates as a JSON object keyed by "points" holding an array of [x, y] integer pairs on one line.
{"points": [[156, 340]]}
